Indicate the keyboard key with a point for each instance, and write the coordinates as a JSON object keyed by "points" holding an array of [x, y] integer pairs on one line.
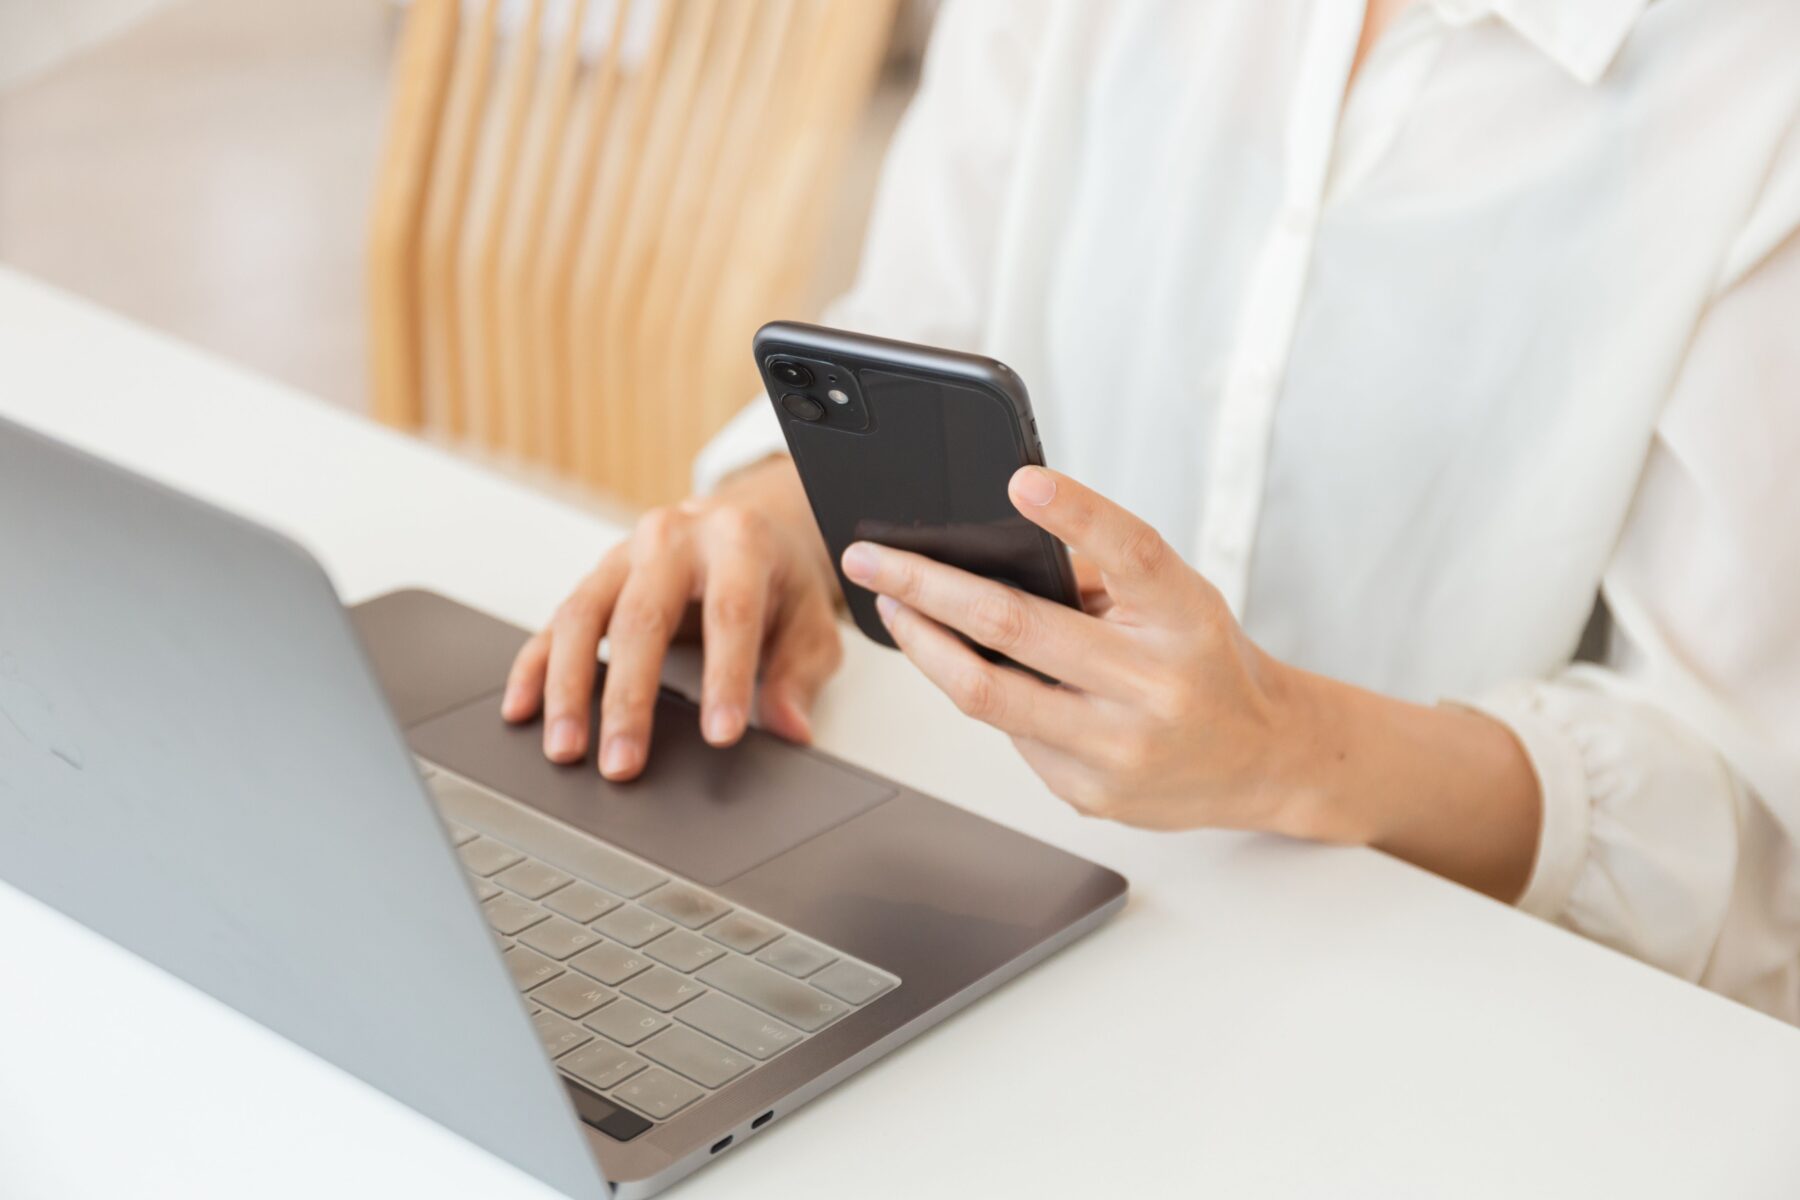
{"points": [[484, 891], [683, 950], [849, 980], [773, 992], [614, 1120], [511, 821], [601, 1064], [794, 955], [661, 988], [459, 834], [609, 963], [531, 879], [573, 995], [739, 1025], [580, 902], [529, 968], [742, 932], [632, 925], [559, 937], [626, 1022], [695, 1055], [688, 905], [509, 914], [485, 856], [558, 1035], [657, 1093]]}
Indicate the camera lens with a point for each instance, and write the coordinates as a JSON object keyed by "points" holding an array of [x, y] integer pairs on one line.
{"points": [[791, 373], [803, 408]]}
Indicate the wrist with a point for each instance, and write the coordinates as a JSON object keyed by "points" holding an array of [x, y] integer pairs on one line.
{"points": [[1446, 789], [1314, 758]]}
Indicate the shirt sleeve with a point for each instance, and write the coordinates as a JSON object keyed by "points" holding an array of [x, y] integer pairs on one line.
{"points": [[1670, 771], [928, 258]]}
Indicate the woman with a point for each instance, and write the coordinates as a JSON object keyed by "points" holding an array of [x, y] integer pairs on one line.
{"points": [[1393, 350]]}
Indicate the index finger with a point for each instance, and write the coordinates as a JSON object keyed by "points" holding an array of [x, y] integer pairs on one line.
{"points": [[1140, 568], [645, 618]]}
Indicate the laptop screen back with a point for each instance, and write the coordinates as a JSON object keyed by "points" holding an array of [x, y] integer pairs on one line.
{"points": [[196, 763]]}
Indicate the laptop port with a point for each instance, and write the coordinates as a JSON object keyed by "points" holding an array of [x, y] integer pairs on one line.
{"points": [[721, 1143], [763, 1120]]}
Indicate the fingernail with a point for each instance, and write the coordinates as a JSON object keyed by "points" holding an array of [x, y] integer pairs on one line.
{"points": [[564, 739], [723, 723], [619, 755], [1034, 485], [509, 703], [859, 562], [887, 606]]}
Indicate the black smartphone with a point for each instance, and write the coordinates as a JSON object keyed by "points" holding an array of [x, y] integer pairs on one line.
{"points": [[911, 447]]}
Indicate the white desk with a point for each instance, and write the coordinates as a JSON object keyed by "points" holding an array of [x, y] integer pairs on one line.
{"points": [[1265, 1019]]}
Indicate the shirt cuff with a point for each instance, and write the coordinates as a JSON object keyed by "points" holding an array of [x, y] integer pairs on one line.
{"points": [[1557, 760], [751, 436]]}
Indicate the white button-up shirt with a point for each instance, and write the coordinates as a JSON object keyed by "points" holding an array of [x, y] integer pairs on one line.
{"points": [[1415, 371]]}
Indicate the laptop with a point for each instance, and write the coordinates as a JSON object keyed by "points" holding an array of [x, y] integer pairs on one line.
{"points": [[318, 817]]}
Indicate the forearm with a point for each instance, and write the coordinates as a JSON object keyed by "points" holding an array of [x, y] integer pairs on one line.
{"points": [[1448, 789]]}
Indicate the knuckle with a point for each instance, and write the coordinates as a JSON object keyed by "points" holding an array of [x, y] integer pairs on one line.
{"points": [[638, 621], [736, 524], [536, 647], [1170, 698], [622, 703], [1130, 754], [576, 606], [735, 608], [563, 693], [976, 693], [1079, 517], [658, 529], [908, 581], [1088, 796], [1000, 619], [1143, 550], [830, 645]]}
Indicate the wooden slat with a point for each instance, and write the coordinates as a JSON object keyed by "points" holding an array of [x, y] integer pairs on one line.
{"points": [[452, 170], [601, 236], [626, 414], [749, 142], [656, 371], [546, 134], [421, 71], [553, 274], [478, 266]]}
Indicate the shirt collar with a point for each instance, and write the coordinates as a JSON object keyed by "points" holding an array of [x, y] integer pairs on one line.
{"points": [[1582, 36]]}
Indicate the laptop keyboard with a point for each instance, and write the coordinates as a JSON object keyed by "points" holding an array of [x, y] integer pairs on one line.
{"points": [[646, 989]]}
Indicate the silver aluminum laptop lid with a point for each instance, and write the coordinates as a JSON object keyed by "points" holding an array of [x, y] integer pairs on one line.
{"points": [[196, 763]]}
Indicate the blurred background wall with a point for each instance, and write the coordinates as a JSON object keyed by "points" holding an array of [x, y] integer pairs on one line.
{"points": [[209, 167]]}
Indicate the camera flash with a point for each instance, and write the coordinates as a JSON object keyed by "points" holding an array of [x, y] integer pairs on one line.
{"points": [[837, 396]]}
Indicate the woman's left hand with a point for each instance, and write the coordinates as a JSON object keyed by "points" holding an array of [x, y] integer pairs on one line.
{"points": [[1167, 716]]}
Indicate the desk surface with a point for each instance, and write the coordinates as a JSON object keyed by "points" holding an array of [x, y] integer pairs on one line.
{"points": [[1264, 1019]]}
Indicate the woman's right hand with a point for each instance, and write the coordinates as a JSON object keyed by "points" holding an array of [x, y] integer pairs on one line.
{"points": [[751, 559]]}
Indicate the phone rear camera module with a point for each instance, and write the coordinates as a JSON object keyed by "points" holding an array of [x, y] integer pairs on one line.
{"points": [[791, 373], [838, 396], [801, 408]]}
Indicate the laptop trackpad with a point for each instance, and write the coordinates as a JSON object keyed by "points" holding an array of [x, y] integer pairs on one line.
{"points": [[701, 812]]}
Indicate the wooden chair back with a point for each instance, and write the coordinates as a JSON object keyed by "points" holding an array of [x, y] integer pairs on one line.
{"points": [[586, 207]]}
